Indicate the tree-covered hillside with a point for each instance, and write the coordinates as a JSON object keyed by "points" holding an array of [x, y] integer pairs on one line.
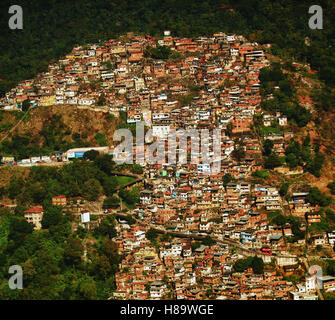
{"points": [[53, 27], [60, 261]]}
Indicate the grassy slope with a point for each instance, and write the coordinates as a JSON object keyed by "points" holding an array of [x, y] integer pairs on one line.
{"points": [[75, 120]]}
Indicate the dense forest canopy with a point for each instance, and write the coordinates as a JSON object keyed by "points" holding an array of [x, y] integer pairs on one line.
{"points": [[52, 258], [89, 179], [52, 27]]}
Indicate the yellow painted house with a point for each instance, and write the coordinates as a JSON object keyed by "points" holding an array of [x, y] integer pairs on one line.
{"points": [[47, 101], [117, 50], [146, 253], [70, 56]]}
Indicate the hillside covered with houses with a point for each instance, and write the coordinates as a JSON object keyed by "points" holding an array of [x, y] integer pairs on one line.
{"points": [[170, 231]]}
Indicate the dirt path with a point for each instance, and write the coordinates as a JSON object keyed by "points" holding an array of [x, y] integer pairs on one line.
{"points": [[10, 131]]}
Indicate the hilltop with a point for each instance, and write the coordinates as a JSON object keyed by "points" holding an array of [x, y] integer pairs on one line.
{"points": [[49, 128], [262, 201], [69, 23]]}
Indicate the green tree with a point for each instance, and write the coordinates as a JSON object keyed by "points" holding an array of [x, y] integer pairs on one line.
{"points": [[87, 288], [106, 227], [91, 155], [283, 189], [100, 139], [73, 252], [208, 241], [331, 186], [92, 189], [110, 185], [51, 216], [151, 234], [5, 224], [257, 265], [272, 161], [226, 179], [136, 168], [25, 105], [241, 265], [316, 197], [160, 52], [268, 145], [195, 245], [111, 203], [238, 152]]}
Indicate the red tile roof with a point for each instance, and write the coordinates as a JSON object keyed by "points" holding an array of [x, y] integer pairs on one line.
{"points": [[37, 209]]}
